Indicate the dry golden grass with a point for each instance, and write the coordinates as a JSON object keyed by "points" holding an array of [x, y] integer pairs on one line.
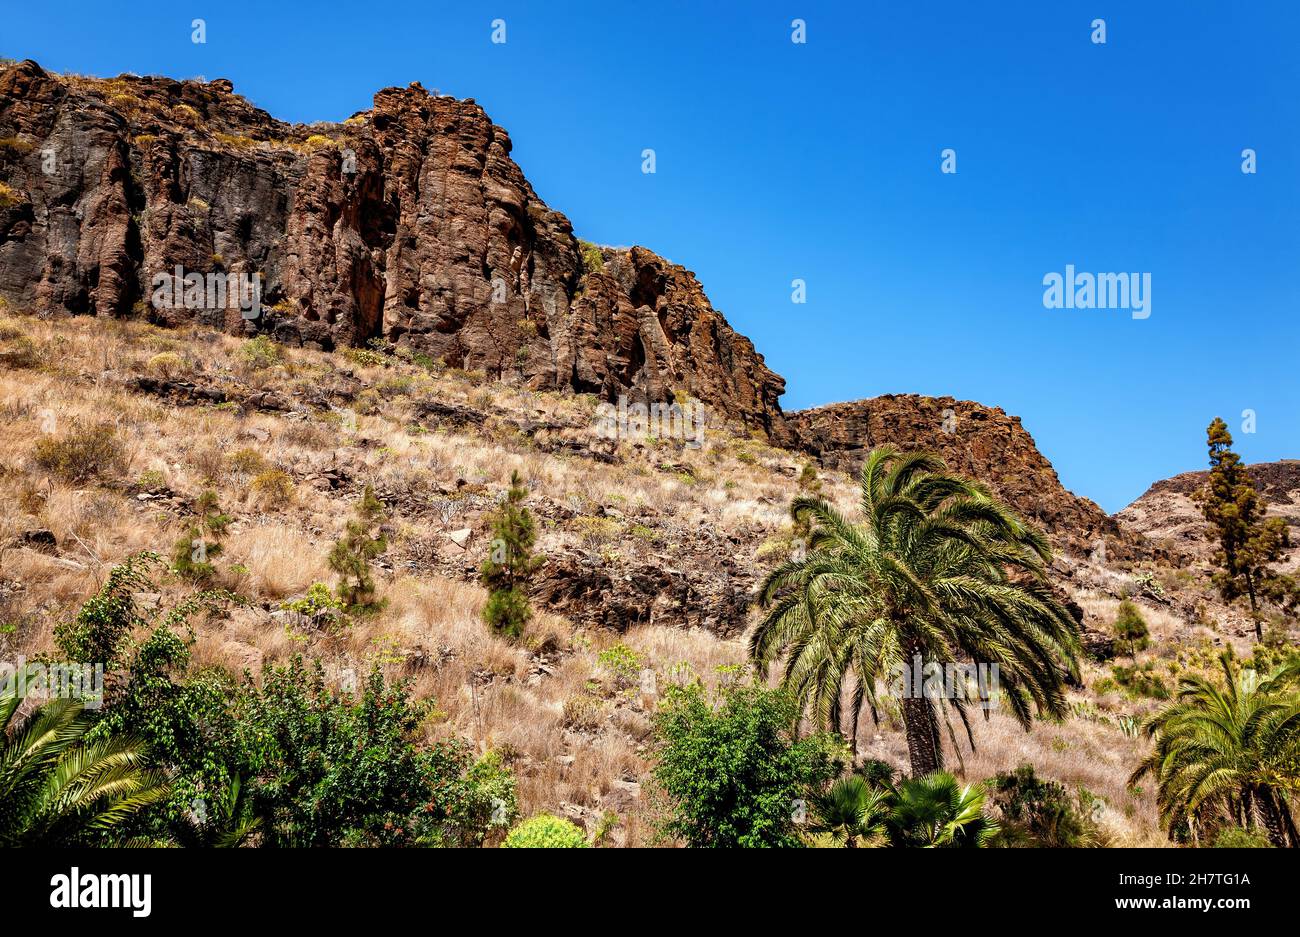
{"points": [[573, 740]]}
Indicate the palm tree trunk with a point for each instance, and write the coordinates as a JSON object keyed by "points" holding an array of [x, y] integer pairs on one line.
{"points": [[1272, 818], [922, 739]]}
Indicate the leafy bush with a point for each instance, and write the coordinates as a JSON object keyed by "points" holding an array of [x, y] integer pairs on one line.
{"points": [[545, 831], [593, 261], [730, 770], [621, 663], [330, 770], [1037, 812], [1234, 837], [81, 453], [260, 353]]}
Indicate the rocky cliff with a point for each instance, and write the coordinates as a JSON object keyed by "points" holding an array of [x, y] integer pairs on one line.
{"points": [[408, 222], [975, 440]]}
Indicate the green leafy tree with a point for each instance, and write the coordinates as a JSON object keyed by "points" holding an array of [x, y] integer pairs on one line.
{"points": [[193, 554], [730, 770], [546, 831], [936, 811], [57, 787], [852, 812], [1131, 634], [1228, 753], [1248, 542], [938, 570], [510, 563], [327, 769], [353, 552]]}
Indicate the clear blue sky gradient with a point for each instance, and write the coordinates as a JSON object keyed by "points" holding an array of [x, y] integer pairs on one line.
{"points": [[821, 161]]}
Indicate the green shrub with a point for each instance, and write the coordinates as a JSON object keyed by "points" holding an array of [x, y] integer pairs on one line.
{"points": [[730, 769], [510, 563], [260, 352], [545, 831], [353, 552], [1131, 634], [1037, 812], [593, 261], [1234, 837]]}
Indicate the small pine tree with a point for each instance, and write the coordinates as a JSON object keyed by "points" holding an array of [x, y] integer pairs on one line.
{"points": [[510, 563], [352, 553], [193, 553], [1131, 634], [1248, 542]]}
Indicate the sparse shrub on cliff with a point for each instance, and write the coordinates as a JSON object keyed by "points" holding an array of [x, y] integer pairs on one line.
{"points": [[14, 148], [166, 365], [273, 489], [246, 461], [1131, 633], [546, 831], [193, 554], [353, 552], [81, 453], [316, 141], [593, 261], [510, 563], [260, 352], [9, 197]]}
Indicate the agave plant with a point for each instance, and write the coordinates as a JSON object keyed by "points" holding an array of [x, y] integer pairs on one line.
{"points": [[58, 787], [1229, 752], [937, 571]]}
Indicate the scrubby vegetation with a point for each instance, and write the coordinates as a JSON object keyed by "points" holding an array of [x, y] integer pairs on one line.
{"points": [[312, 661]]}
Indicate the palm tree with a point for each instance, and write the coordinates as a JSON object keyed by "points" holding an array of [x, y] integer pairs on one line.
{"points": [[852, 812], [56, 786], [1229, 752], [937, 571], [936, 811], [227, 820]]}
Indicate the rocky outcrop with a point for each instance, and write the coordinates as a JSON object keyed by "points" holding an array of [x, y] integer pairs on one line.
{"points": [[408, 222], [978, 441], [1167, 514]]}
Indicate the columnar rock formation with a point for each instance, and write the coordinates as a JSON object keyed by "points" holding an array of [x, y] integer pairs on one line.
{"points": [[975, 440], [408, 222]]}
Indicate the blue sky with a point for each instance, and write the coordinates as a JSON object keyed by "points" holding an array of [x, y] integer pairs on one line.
{"points": [[822, 161]]}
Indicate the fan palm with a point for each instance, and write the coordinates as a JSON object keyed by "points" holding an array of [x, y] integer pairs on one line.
{"points": [[938, 571], [936, 811], [56, 786], [852, 812], [1229, 752]]}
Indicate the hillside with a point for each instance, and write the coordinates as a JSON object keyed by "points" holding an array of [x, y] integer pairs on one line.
{"points": [[1166, 513], [428, 327]]}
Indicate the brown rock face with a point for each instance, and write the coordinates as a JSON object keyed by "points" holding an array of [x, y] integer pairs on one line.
{"points": [[1166, 513], [409, 222], [978, 441]]}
